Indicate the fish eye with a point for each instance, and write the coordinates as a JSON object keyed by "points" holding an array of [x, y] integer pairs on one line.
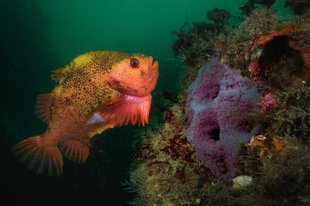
{"points": [[134, 62]]}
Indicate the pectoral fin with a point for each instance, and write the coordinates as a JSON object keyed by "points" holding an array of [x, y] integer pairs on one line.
{"points": [[128, 109]]}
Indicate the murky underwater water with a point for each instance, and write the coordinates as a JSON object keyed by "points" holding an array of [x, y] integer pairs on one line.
{"points": [[40, 36]]}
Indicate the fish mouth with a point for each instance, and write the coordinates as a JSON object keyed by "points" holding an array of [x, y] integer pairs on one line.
{"points": [[153, 69]]}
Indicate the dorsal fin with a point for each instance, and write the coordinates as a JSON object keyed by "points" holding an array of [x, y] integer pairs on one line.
{"points": [[43, 106], [58, 75]]}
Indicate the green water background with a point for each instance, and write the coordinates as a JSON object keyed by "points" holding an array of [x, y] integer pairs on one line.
{"points": [[38, 36]]}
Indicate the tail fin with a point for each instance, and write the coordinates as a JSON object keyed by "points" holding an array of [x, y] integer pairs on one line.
{"points": [[39, 156]]}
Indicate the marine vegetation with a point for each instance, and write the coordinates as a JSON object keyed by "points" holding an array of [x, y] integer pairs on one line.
{"points": [[239, 132], [298, 6], [192, 42], [249, 6], [96, 92]]}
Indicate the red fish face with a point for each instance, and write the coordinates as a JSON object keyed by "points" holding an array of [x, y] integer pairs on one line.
{"points": [[135, 76]]}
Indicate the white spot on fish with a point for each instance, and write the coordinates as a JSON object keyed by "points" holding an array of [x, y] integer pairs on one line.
{"points": [[95, 118]]}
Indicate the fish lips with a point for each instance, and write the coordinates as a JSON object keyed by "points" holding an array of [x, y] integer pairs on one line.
{"points": [[153, 74]]}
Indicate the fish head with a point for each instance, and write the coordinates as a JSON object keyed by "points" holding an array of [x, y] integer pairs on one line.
{"points": [[135, 75]]}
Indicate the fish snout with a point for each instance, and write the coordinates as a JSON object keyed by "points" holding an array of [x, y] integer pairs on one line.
{"points": [[152, 69]]}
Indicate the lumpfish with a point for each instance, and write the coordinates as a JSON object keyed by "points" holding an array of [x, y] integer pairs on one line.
{"points": [[97, 90]]}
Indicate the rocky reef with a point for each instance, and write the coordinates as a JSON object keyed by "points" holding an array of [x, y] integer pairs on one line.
{"points": [[238, 132]]}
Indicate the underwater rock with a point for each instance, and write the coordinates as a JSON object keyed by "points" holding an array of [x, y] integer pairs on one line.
{"points": [[218, 110], [281, 44]]}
